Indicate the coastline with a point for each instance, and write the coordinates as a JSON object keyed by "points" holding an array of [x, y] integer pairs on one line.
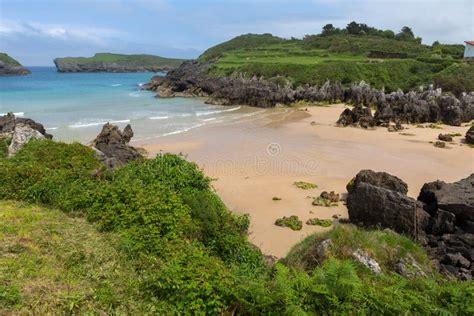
{"points": [[256, 159]]}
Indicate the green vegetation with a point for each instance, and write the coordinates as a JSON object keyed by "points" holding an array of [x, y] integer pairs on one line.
{"points": [[8, 60], [131, 60], [359, 52], [305, 185], [292, 222], [152, 238], [319, 222]]}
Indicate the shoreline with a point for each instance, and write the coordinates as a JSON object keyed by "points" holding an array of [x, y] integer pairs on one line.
{"points": [[257, 159]]}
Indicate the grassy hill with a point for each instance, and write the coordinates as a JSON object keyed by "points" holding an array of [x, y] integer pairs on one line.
{"points": [[380, 61], [158, 240]]}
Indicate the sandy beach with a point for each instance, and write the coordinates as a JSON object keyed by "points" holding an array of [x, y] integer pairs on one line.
{"points": [[258, 158]]}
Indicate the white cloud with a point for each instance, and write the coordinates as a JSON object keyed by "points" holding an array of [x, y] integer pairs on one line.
{"points": [[97, 36]]}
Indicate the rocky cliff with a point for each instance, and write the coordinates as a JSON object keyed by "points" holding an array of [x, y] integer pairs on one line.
{"points": [[424, 105], [11, 67], [106, 62]]}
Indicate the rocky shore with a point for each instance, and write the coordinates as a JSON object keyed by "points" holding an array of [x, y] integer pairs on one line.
{"points": [[192, 79]]}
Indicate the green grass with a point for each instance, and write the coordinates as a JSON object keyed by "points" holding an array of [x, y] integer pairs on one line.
{"points": [[134, 60], [51, 263], [8, 60]]}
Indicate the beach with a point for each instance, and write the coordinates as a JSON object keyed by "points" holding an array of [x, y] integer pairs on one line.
{"points": [[260, 157]]}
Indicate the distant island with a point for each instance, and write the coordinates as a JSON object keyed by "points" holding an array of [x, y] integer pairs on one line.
{"points": [[10, 67], [108, 62]]}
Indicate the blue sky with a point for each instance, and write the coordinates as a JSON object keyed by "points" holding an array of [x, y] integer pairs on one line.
{"points": [[36, 31]]}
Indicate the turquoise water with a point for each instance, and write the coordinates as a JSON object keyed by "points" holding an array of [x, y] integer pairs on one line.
{"points": [[74, 106]]}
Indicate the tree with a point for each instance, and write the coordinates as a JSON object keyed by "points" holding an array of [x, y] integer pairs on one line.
{"points": [[353, 28], [406, 34], [328, 29]]}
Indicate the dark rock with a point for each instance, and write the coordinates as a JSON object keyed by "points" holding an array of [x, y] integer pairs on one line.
{"points": [[440, 144], [457, 197], [381, 179], [445, 137], [113, 146], [470, 136]]}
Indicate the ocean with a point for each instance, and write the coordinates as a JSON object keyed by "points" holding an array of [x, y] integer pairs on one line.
{"points": [[74, 106]]}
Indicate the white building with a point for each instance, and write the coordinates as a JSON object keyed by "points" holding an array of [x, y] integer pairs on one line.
{"points": [[469, 50]]}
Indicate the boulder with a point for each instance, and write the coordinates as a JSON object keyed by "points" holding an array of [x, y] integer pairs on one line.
{"points": [[381, 179], [470, 135], [113, 147], [445, 137], [22, 134]]}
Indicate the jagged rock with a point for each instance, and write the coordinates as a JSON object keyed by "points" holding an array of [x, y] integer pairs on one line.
{"points": [[9, 121], [445, 137], [22, 134], [470, 135], [12, 70], [424, 105], [363, 258], [113, 146]]}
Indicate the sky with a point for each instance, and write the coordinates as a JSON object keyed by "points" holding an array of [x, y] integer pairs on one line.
{"points": [[37, 31]]}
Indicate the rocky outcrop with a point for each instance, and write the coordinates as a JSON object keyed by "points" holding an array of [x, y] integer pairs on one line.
{"points": [[22, 134], [8, 123], [19, 131], [470, 136], [442, 219], [112, 146], [192, 79], [12, 70]]}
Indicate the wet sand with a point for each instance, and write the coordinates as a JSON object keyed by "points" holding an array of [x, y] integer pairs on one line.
{"points": [[256, 159]]}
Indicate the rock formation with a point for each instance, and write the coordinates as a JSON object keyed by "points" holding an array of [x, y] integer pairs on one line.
{"points": [[19, 131], [112, 146], [22, 134], [470, 136], [425, 105], [442, 219], [9, 121]]}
